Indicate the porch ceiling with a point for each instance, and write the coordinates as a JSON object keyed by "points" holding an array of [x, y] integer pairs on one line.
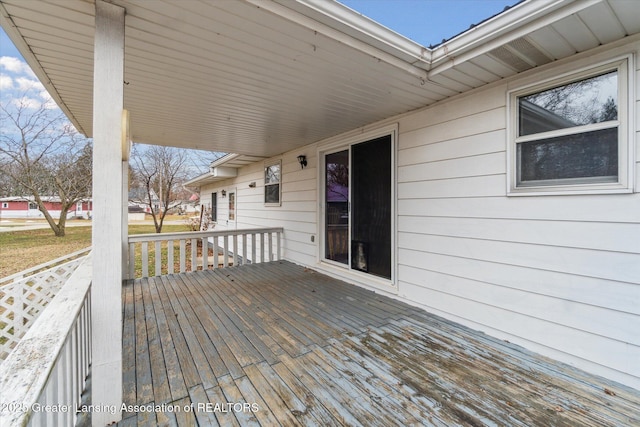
{"points": [[263, 77]]}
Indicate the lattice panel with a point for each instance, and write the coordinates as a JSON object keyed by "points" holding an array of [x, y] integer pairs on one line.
{"points": [[23, 300]]}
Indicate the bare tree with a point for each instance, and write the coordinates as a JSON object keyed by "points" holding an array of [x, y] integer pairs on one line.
{"points": [[159, 173], [44, 157]]}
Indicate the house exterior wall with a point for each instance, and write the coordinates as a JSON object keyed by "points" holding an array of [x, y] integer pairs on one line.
{"points": [[558, 274], [20, 209]]}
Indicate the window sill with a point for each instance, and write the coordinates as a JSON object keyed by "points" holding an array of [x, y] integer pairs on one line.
{"points": [[568, 190]]}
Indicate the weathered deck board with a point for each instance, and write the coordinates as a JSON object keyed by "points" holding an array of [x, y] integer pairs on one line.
{"points": [[310, 350]]}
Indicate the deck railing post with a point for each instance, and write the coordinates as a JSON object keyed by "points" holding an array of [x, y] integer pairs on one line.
{"points": [[279, 245], [205, 253], [244, 248], [194, 254], [132, 260], [158, 256], [170, 260], [145, 259], [253, 248], [225, 251], [183, 255], [235, 250]]}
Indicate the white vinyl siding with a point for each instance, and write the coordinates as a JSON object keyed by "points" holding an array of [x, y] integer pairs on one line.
{"points": [[559, 275]]}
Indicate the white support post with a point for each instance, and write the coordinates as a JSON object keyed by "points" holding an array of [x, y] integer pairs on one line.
{"points": [[108, 101]]}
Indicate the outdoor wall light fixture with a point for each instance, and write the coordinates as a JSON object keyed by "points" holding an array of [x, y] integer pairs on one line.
{"points": [[224, 193], [252, 184], [302, 159]]}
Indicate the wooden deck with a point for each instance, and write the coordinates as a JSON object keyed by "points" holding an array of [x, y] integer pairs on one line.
{"points": [[277, 344]]}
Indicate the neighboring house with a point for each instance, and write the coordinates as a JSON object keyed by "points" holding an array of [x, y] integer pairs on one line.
{"points": [[139, 197], [469, 191], [26, 207]]}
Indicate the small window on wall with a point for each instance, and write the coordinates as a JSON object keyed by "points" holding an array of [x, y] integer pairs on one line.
{"points": [[272, 178], [571, 134], [214, 207], [232, 206]]}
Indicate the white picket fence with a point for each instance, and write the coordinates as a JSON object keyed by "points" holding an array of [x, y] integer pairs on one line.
{"points": [[24, 295]]}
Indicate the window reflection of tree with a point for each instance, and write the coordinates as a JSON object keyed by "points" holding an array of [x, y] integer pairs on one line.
{"points": [[273, 174], [582, 102], [337, 179]]}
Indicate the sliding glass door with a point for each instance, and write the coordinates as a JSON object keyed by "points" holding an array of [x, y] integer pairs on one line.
{"points": [[358, 207]]}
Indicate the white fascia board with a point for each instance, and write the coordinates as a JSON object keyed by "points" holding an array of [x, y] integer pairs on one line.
{"points": [[216, 173], [202, 180], [370, 28], [510, 25], [12, 31], [224, 172], [222, 160]]}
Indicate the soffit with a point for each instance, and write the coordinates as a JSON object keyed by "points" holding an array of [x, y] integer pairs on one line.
{"points": [[240, 78]]}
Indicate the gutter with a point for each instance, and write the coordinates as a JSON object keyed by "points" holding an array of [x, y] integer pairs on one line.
{"points": [[365, 25], [519, 21]]}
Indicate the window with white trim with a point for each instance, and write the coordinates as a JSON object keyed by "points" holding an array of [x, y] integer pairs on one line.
{"points": [[272, 178], [570, 134]]}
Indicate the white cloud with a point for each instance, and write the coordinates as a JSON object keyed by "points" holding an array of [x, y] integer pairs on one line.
{"points": [[48, 102], [15, 65], [26, 102], [26, 84], [6, 82], [21, 85]]}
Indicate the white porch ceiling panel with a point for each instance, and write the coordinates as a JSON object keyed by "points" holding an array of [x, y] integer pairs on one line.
{"points": [[262, 77]]}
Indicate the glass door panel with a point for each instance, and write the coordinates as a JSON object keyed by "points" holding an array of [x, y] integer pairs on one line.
{"points": [[337, 207], [371, 207]]}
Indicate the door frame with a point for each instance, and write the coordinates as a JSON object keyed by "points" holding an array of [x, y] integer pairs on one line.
{"points": [[344, 270]]}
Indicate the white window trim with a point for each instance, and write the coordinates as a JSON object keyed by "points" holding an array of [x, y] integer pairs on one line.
{"points": [[626, 132], [267, 165], [235, 206]]}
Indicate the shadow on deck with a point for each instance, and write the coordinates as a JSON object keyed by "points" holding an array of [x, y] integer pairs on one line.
{"points": [[278, 344]]}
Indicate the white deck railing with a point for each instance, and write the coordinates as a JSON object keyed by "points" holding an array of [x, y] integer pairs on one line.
{"points": [[181, 252], [42, 380], [24, 295]]}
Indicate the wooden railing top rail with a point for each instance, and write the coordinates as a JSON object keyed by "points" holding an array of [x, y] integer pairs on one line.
{"points": [[154, 237], [26, 371]]}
